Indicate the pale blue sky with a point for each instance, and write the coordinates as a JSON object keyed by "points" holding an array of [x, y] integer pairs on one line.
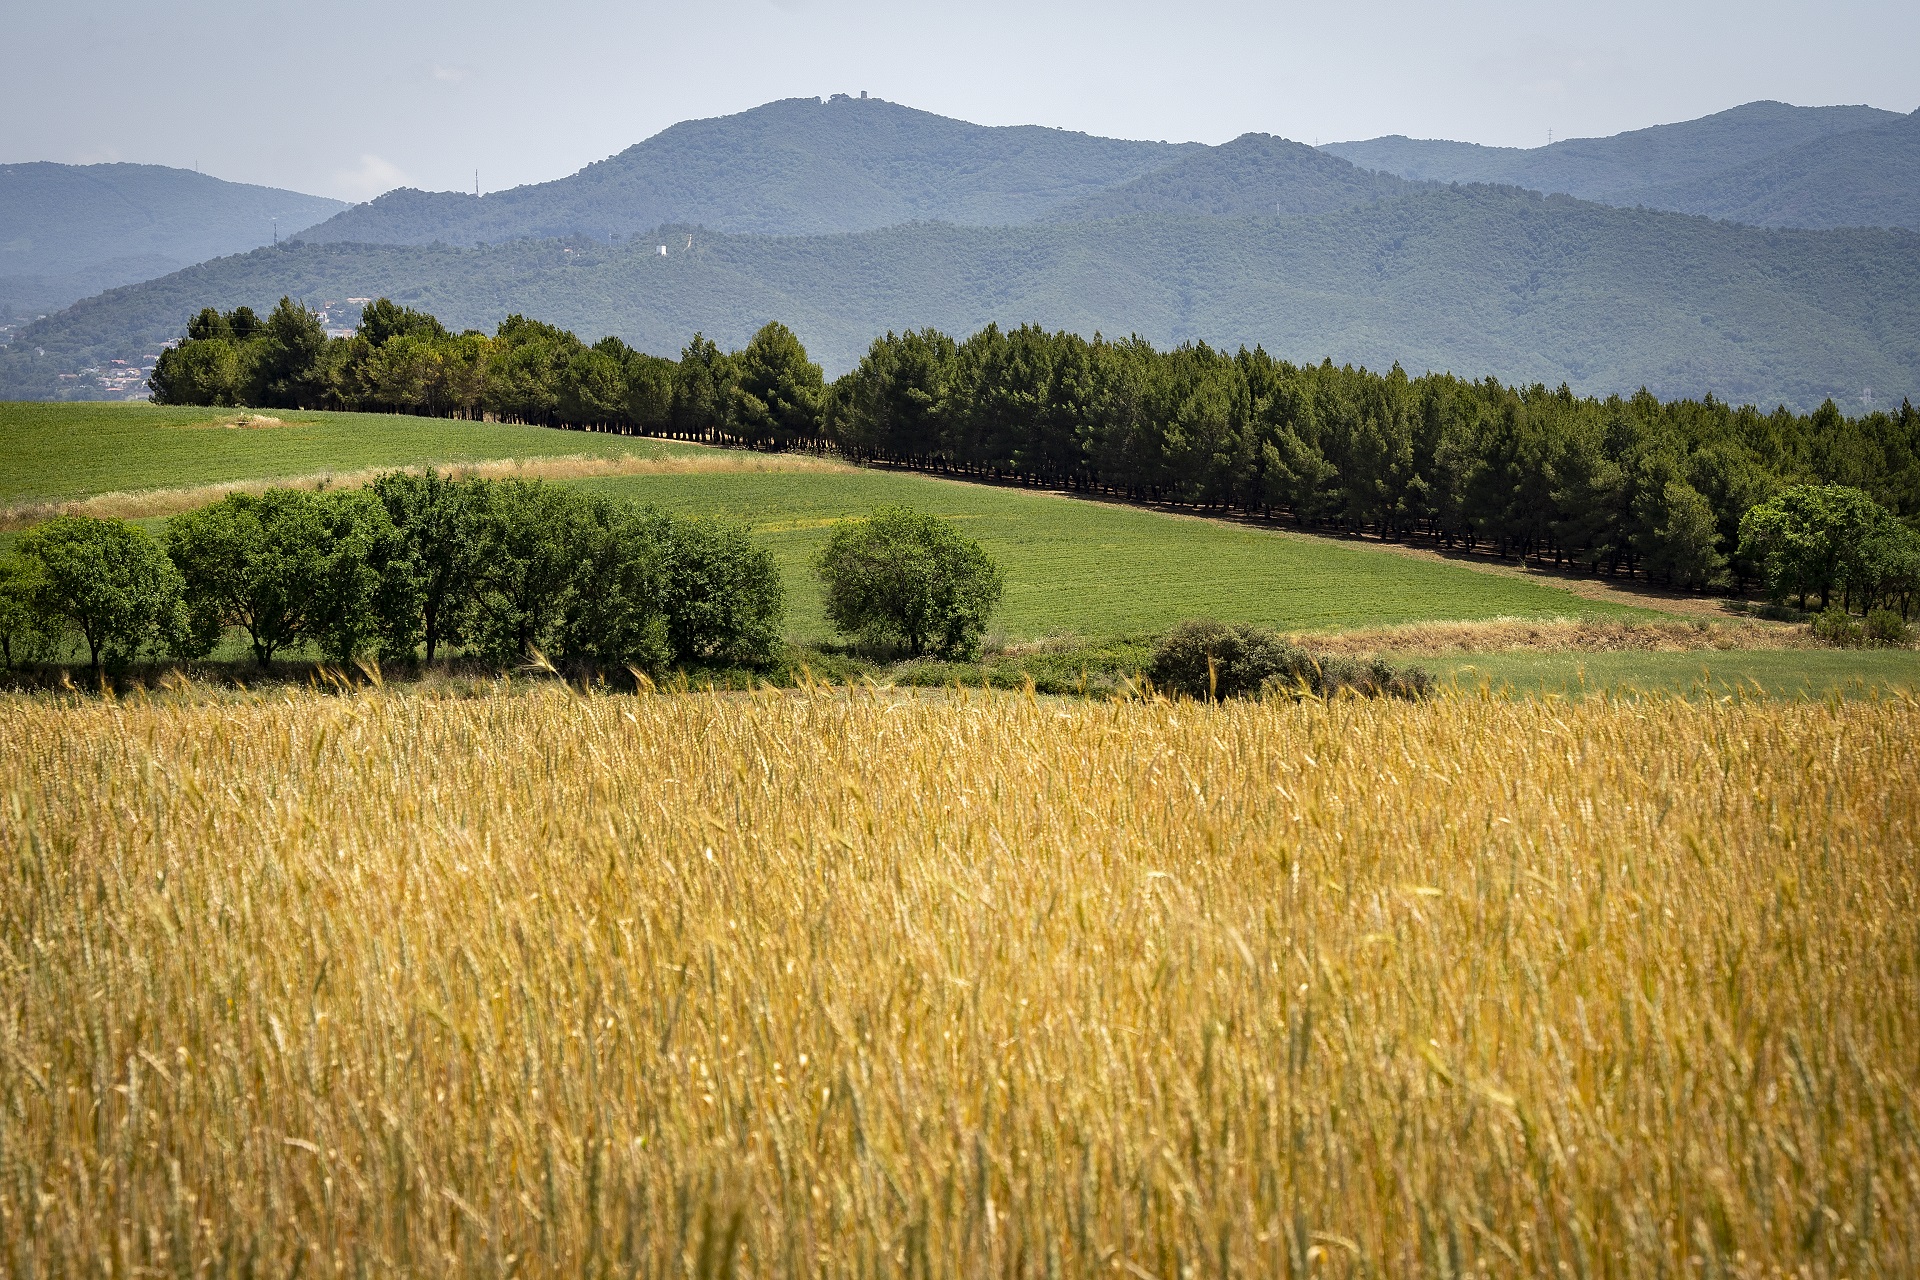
{"points": [[349, 98]]}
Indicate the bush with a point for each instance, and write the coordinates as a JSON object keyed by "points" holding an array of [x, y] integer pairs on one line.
{"points": [[1208, 659], [1211, 660], [1835, 626], [1884, 626], [902, 577]]}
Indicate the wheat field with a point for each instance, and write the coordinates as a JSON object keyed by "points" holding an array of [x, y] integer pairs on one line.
{"points": [[848, 983]]}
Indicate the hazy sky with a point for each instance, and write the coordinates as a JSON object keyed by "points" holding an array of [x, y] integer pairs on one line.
{"points": [[350, 98]]}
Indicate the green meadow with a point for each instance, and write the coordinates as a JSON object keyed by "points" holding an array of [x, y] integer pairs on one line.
{"points": [[1098, 569], [58, 452], [1103, 572]]}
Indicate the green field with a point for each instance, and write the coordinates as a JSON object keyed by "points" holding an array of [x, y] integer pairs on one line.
{"points": [[1099, 569], [65, 451], [1782, 672]]}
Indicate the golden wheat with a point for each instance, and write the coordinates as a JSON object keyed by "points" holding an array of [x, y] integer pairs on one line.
{"points": [[855, 983]]}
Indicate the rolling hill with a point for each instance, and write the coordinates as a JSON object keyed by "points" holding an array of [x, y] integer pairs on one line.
{"points": [[795, 167], [1680, 166], [1476, 280], [69, 231]]}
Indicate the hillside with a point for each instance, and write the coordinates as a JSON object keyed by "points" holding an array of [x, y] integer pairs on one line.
{"points": [[1630, 168], [795, 167], [1867, 178], [1253, 175], [69, 231], [1474, 280]]}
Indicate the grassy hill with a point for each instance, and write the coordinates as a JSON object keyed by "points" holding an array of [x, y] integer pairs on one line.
{"points": [[1608, 168], [795, 167], [1087, 568], [1476, 281], [61, 452], [69, 231], [1108, 575], [1099, 570], [1867, 178]]}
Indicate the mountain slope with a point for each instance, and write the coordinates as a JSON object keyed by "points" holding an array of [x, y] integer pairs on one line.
{"points": [[1867, 178], [1476, 280], [67, 231], [796, 167], [1252, 175], [1607, 169]]}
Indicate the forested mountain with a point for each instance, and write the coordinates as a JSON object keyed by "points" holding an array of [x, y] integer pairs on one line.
{"points": [[796, 167], [1758, 163], [67, 231], [1252, 175], [1594, 168], [1867, 178], [1474, 280]]}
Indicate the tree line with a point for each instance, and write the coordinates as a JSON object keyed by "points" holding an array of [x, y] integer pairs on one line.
{"points": [[1629, 486], [504, 569]]}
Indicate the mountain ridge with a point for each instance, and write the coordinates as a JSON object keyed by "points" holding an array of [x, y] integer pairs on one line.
{"points": [[1478, 280], [1868, 177], [1254, 174], [798, 166], [1692, 166], [69, 231]]}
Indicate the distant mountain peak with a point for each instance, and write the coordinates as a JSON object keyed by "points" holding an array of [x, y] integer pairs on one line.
{"points": [[70, 230], [1646, 166], [1254, 175], [796, 166]]}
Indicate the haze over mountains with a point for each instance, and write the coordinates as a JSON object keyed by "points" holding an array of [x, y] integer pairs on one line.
{"points": [[68, 231], [848, 217], [1766, 164]]}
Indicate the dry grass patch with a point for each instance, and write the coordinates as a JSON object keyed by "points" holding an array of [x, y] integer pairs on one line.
{"points": [[237, 422], [1563, 635], [148, 503], [859, 985]]}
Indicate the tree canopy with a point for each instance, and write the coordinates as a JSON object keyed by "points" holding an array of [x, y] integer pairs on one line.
{"points": [[903, 577]]}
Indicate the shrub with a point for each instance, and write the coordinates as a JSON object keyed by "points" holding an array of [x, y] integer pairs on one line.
{"points": [[1371, 678], [1835, 626], [1884, 626], [1208, 659], [899, 576]]}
